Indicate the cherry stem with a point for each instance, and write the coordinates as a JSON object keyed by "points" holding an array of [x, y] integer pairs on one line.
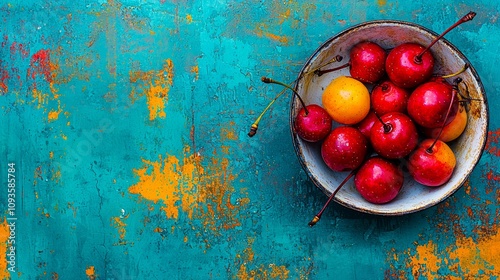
{"points": [[387, 126], [466, 65], [453, 93], [320, 72], [465, 18], [255, 126], [336, 58], [317, 217], [271, 81]]}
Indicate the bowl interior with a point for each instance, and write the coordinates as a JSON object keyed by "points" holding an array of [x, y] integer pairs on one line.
{"points": [[388, 34]]}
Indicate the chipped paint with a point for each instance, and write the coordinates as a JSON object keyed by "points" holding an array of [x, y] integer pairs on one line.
{"points": [[188, 186], [248, 269], [179, 81], [493, 143], [466, 259], [155, 85]]}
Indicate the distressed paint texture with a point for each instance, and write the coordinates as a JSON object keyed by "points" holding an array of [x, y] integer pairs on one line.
{"points": [[128, 120]]}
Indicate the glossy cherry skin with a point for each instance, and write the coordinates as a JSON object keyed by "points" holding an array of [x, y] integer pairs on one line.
{"points": [[429, 103], [365, 126], [345, 148], [367, 62], [387, 97], [379, 180], [405, 69], [396, 137], [432, 168], [314, 125]]}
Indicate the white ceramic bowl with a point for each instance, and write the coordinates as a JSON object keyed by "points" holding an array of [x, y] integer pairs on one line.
{"points": [[388, 34]]}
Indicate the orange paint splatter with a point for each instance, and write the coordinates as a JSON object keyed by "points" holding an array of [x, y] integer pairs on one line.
{"points": [[162, 180], [155, 85], [54, 114], [4, 237], [90, 272], [466, 259], [121, 226], [189, 19], [192, 187], [282, 39], [262, 31]]}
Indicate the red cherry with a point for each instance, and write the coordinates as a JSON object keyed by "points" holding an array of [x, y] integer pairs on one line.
{"points": [[405, 69], [365, 126], [432, 163], [313, 125], [367, 61], [345, 148], [411, 64], [394, 136], [379, 180], [387, 97], [428, 104]]}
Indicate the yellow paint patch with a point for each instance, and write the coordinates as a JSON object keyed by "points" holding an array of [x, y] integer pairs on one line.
{"points": [[155, 85], [4, 237], [90, 272], [189, 18]]}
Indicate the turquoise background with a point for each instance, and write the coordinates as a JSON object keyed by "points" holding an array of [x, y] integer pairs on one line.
{"points": [[76, 78]]}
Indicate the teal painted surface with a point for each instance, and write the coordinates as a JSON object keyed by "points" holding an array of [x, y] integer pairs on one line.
{"points": [[76, 79]]}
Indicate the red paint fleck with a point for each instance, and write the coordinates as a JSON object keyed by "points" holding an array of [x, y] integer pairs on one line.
{"points": [[40, 66], [492, 176], [492, 143], [4, 75]]}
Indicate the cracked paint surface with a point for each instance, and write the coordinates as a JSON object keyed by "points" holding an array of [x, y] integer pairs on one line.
{"points": [[127, 123]]}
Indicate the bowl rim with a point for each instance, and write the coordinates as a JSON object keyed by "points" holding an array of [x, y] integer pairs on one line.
{"points": [[295, 139]]}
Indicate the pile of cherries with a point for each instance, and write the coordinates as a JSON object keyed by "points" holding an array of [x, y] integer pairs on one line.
{"points": [[406, 120]]}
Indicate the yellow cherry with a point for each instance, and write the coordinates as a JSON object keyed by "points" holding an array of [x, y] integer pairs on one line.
{"points": [[346, 100]]}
